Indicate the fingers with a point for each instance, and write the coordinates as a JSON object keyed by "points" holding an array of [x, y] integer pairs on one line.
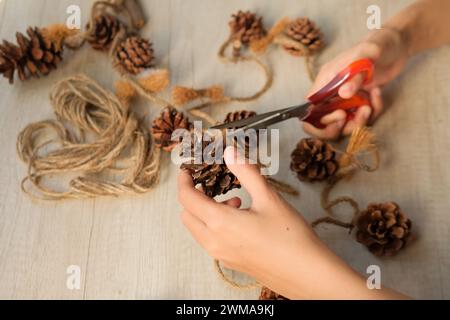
{"points": [[331, 132], [249, 175], [196, 201], [335, 116], [362, 116], [233, 202], [352, 86], [377, 103]]}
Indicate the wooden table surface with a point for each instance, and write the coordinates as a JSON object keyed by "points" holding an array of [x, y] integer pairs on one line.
{"points": [[135, 247]]}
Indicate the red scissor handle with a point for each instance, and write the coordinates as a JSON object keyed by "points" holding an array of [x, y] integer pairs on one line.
{"points": [[326, 100]]}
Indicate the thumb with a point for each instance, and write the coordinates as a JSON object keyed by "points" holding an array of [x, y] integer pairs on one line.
{"points": [[248, 174]]}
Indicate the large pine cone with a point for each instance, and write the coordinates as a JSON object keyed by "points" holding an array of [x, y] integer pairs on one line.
{"points": [[33, 56], [105, 29], [134, 55], [267, 294], [246, 27], [215, 179], [305, 32], [163, 127], [239, 115], [314, 160], [384, 229]]}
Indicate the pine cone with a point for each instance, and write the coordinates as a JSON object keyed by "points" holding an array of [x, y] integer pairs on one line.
{"points": [[239, 115], [245, 27], [305, 32], [314, 160], [384, 229], [33, 56], [267, 294], [163, 127], [134, 55], [215, 179], [105, 29]]}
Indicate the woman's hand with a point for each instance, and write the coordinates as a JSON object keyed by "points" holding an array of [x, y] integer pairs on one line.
{"points": [[260, 241], [270, 241], [389, 52]]}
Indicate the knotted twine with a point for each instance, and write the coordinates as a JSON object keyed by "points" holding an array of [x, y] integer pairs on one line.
{"points": [[277, 36], [120, 145], [362, 143]]}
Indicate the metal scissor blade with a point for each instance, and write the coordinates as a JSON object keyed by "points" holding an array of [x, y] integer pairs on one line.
{"points": [[267, 119]]}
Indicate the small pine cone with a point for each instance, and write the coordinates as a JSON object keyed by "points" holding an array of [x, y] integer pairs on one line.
{"points": [[163, 127], [32, 56], [105, 29], [383, 228], [246, 27], [314, 160], [267, 294], [305, 32], [134, 55], [239, 115], [216, 179]]}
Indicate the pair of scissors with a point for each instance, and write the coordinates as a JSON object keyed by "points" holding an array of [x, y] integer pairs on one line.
{"points": [[323, 102]]}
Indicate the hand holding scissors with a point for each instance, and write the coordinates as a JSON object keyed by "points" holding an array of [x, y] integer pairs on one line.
{"points": [[323, 102]]}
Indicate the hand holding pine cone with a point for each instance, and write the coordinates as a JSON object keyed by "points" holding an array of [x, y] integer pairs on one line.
{"points": [[215, 179]]}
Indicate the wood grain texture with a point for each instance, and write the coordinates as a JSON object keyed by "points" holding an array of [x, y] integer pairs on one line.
{"points": [[136, 247]]}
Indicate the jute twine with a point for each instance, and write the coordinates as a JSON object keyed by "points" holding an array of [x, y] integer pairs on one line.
{"points": [[362, 143], [215, 95], [232, 283], [277, 36], [129, 8], [120, 145]]}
